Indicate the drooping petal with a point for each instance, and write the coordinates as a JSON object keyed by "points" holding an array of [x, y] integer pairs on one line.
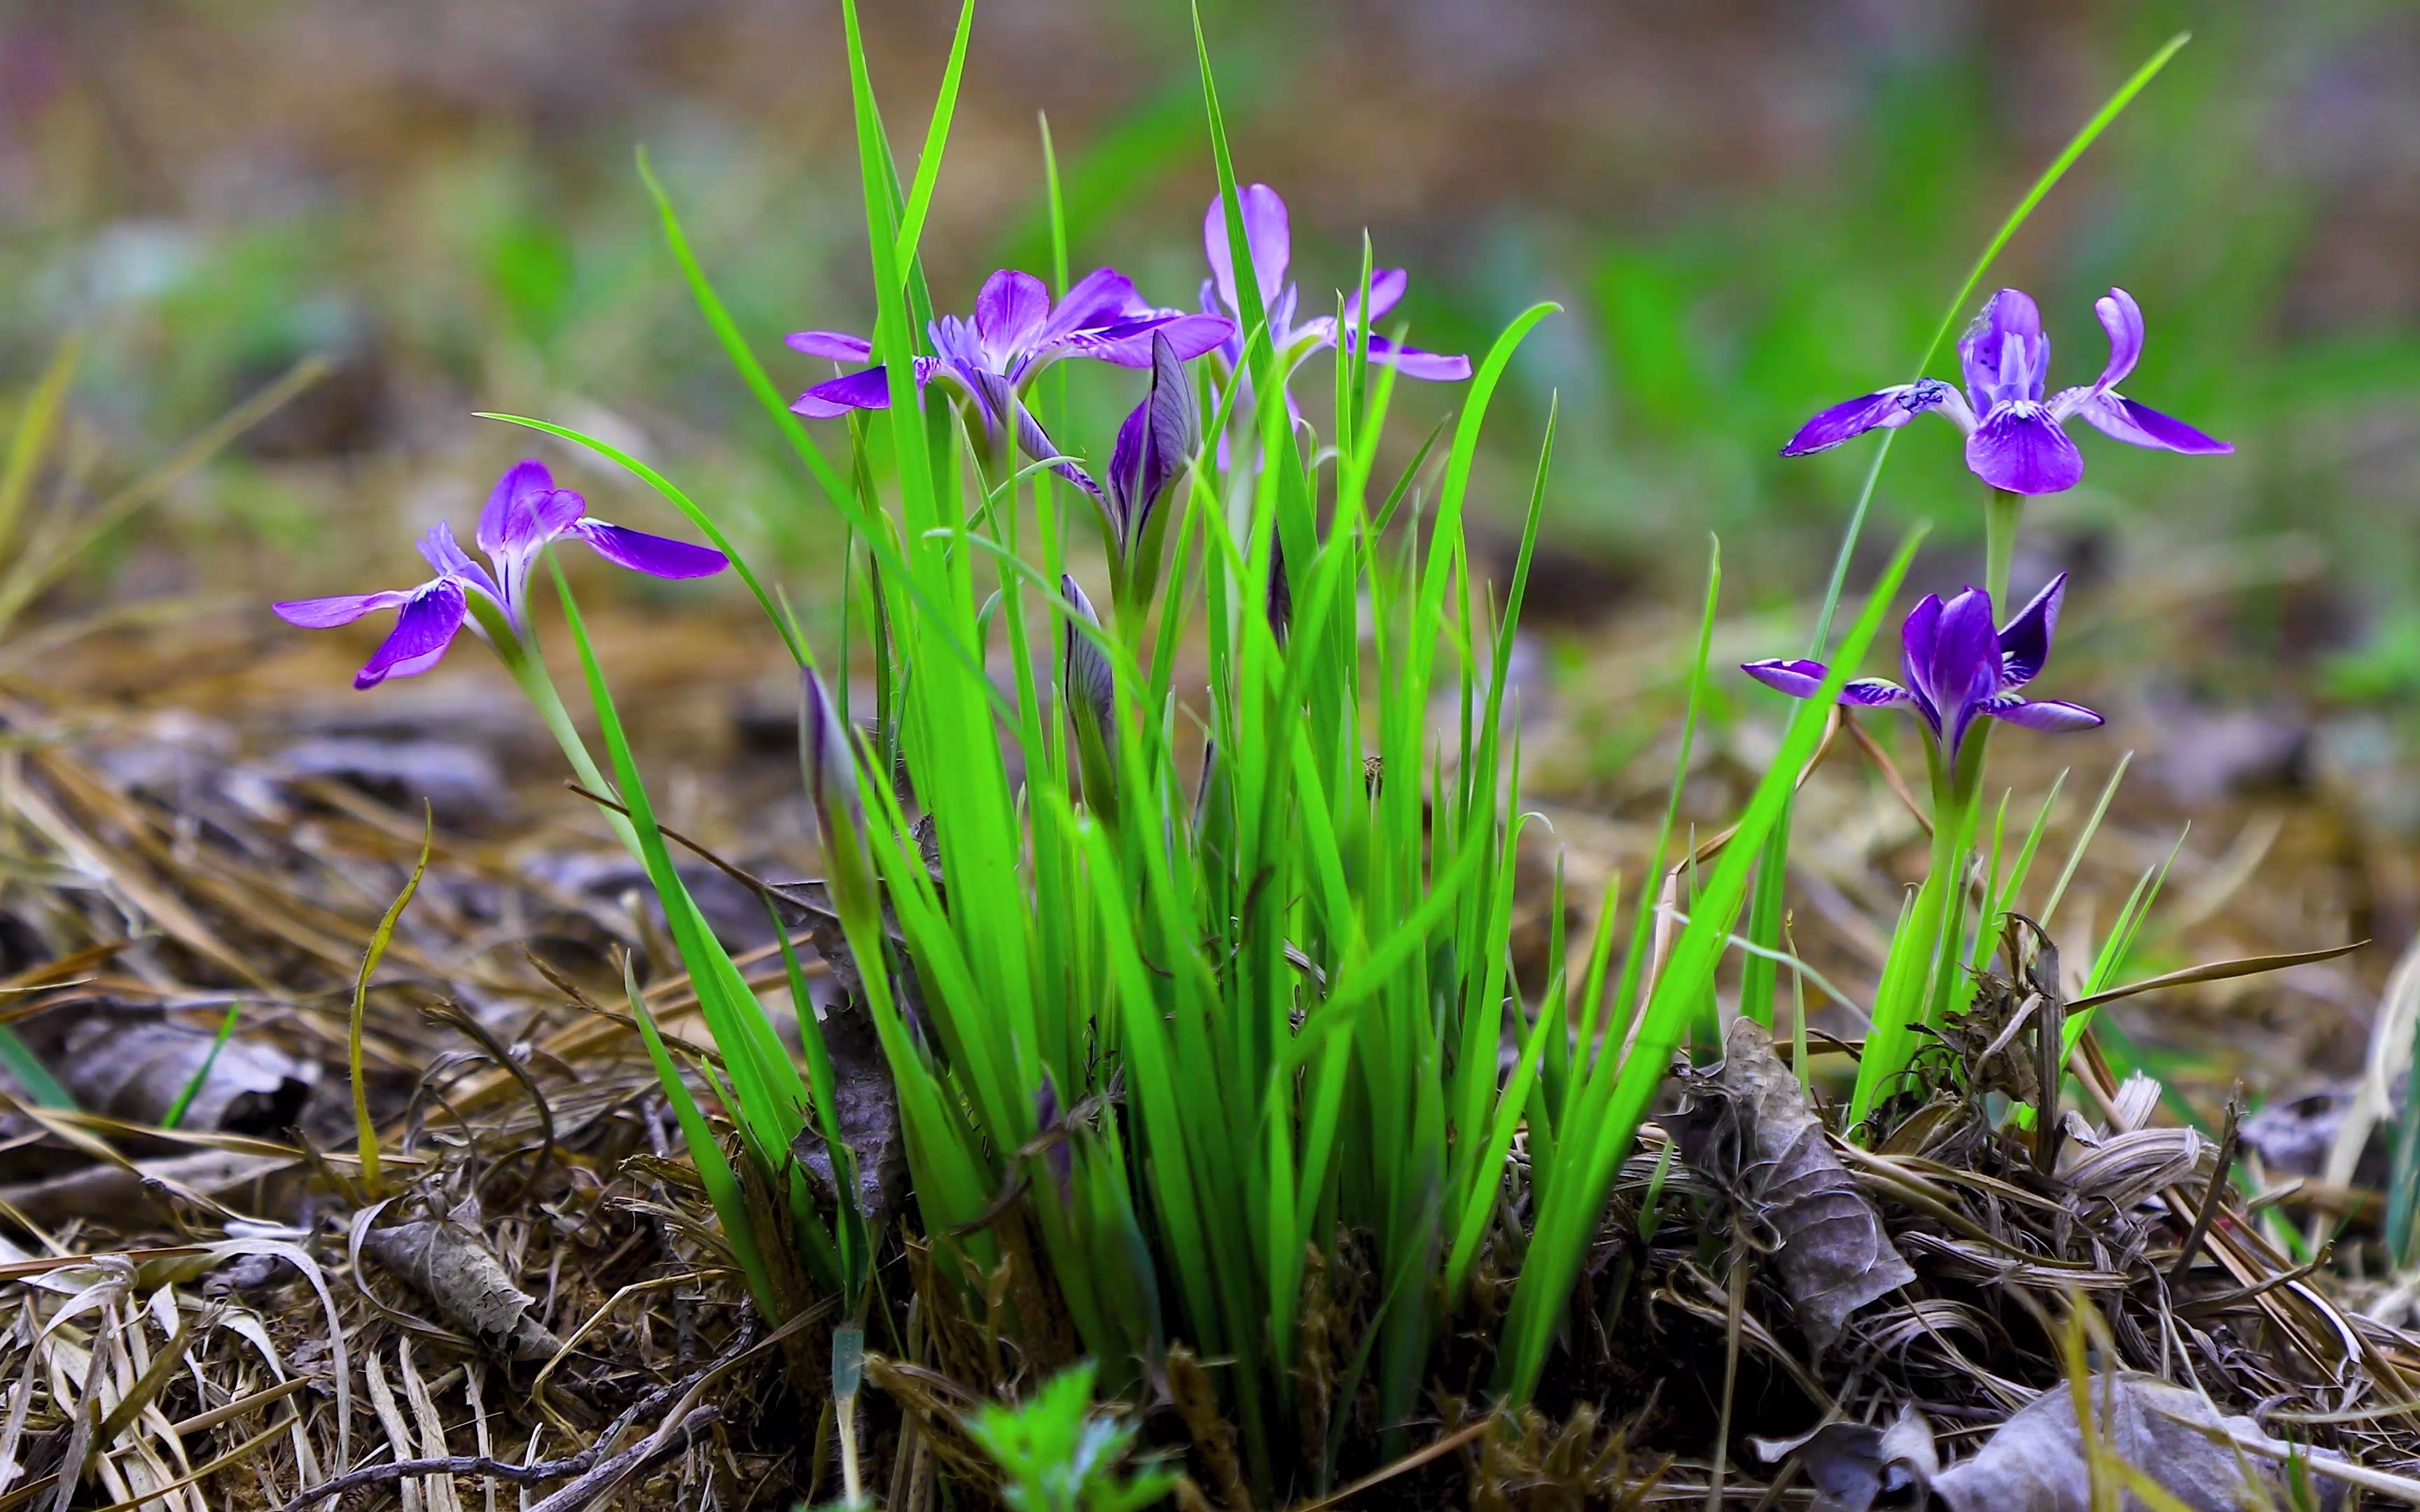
{"points": [[657, 556], [2138, 424], [520, 480], [2123, 319], [2003, 355], [1036, 446], [2020, 448], [1387, 287], [1883, 410], [2053, 715], [837, 344], [1267, 233], [343, 609], [2025, 641], [430, 619], [1010, 309], [1438, 367], [1795, 676], [1801, 678], [866, 389]]}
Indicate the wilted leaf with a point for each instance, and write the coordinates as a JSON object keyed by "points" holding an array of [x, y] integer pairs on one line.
{"points": [[452, 1266], [2035, 1461], [1854, 1464], [1749, 1130]]}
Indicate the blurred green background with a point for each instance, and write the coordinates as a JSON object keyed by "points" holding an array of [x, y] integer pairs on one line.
{"points": [[1748, 210]]}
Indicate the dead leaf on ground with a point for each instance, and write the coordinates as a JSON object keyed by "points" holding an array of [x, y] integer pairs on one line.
{"points": [[1748, 1128]]}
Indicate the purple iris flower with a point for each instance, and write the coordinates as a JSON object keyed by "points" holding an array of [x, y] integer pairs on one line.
{"points": [[988, 363], [1959, 669], [1270, 236], [524, 513], [2016, 439]]}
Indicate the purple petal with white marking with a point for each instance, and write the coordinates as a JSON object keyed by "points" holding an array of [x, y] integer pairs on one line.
{"points": [[1795, 676], [2025, 641], [1103, 297], [2051, 715], [343, 609], [657, 556], [429, 621], [868, 389], [2020, 448], [2139, 424], [2003, 354], [2123, 319], [837, 344], [1127, 344], [1882, 409]]}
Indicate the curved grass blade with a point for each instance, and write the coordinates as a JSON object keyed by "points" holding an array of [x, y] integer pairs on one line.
{"points": [[364, 1129]]}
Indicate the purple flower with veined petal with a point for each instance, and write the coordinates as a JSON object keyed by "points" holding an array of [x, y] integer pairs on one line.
{"points": [[1959, 669], [988, 362], [524, 513], [2015, 438], [1270, 236]]}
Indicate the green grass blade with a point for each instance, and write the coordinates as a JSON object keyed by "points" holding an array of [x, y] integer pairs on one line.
{"points": [[176, 1114], [937, 136], [714, 1170], [735, 345]]}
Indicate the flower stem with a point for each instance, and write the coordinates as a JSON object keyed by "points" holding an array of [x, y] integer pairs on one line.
{"points": [[522, 658], [2001, 514]]}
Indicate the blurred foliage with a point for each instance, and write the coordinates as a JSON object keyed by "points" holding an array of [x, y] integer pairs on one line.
{"points": [[1748, 214]]}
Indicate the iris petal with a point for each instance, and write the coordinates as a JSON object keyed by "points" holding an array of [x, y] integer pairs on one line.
{"points": [[2052, 714], [1851, 418], [1010, 309], [2138, 424], [343, 609], [2123, 319], [868, 389], [837, 344], [657, 556], [1436, 367], [2024, 643], [496, 517], [430, 619], [2020, 448], [1267, 233], [1103, 297]]}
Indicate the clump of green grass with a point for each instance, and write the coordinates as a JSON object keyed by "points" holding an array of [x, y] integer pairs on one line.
{"points": [[1186, 941]]}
